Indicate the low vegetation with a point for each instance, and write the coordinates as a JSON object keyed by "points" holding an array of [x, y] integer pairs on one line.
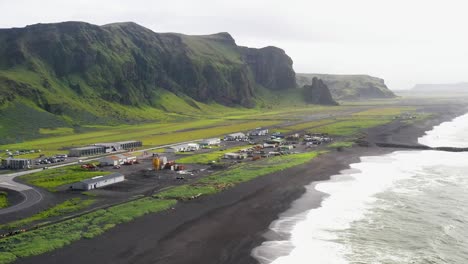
{"points": [[348, 127], [341, 144], [240, 173], [87, 226], [67, 207], [51, 179], [3, 199], [205, 158]]}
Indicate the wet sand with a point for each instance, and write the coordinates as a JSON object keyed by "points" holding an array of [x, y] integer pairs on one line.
{"points": [[225, 227]]}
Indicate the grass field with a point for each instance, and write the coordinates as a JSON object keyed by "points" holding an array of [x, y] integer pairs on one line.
{"points": [[87, 226], [349, 127], [61, 209], [3, 199], [240, 173], [206, 158], [151, 134], [341, 144], [53, 178]]}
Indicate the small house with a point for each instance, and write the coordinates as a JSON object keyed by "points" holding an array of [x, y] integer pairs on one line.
{"points": [[237, 156], [259, 132], [286, 147], [192, 147], [210, 142], [235, 136], [98, 182], [111, 160]]}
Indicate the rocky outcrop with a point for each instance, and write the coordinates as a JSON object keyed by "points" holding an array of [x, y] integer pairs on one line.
{"points": [[350, 87], [318, 93], [271, 67]]}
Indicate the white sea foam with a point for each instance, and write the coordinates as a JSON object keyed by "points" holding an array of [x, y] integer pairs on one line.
{"points": [[315, 236], [448, 134]]}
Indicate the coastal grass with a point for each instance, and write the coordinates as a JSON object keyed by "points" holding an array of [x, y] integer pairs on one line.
{"points": [[53, 178], [385, 111], [3, 199], [205, 158], [309, 125], [235, 175], [349, 127], [341, 144], [55, 236], [67, 207]]}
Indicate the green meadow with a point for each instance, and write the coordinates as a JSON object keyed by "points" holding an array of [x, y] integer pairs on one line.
{"points": [[3, 199], [53, 178], [55, 236], [206, 158]]}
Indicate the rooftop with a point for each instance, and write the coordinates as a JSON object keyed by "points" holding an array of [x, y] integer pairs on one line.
{"points": [[88, 147], [102, 178]]}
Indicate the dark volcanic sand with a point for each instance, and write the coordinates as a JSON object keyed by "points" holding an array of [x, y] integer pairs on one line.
{"points": [[225, 227]]}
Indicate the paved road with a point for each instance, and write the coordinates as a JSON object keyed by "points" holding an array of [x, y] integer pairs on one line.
{"points": [[31, 197]]}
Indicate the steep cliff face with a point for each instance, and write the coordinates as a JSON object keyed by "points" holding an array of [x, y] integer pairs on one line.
{"points": [[271, 67], [127, 64], [318, 93], [350, 87]]}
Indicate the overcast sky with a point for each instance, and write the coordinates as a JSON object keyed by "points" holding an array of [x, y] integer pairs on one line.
{"points": [[403, 41]]}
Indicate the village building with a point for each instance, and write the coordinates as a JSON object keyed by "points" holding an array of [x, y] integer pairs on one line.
{"points": [[286, 147], [210, 142], [183, 148], [259, 132], [16, 164], [86, 151], [98, 182], [102, 148], [235, 156], [119, 146], [235, 136], [118, 159]]}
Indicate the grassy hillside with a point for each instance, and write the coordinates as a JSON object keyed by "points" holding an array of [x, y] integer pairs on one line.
{"points": [[73, 74]]}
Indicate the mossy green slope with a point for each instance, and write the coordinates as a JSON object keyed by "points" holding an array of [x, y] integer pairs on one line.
{"points": [[76, 73]]}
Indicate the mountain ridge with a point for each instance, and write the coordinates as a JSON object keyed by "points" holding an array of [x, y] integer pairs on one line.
{"points": [[76, 73]]}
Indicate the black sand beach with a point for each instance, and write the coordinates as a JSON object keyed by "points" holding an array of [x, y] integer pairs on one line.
{"points": [[223, 228]]}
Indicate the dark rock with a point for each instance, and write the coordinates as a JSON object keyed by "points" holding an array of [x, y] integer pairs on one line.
{"points": [[271, 67], [318, 93]]}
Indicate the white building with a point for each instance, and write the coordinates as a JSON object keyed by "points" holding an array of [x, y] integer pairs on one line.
{"points": [[117, 159], [235, 155], [98, 182], [210, 142], [259, 132], [235, 136], [183, 148], [192, 147], [111, 160]]}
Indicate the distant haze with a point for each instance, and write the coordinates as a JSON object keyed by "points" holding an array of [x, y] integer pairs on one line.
{"points": [[403, 42]]}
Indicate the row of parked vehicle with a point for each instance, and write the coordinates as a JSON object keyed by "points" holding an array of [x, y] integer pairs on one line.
{"points": [[53, 159]]}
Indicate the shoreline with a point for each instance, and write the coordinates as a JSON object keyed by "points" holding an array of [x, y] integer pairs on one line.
{"points": [[225, 227]]}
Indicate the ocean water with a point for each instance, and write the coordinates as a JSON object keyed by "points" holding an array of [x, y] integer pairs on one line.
{"points": [[404, 207]]}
